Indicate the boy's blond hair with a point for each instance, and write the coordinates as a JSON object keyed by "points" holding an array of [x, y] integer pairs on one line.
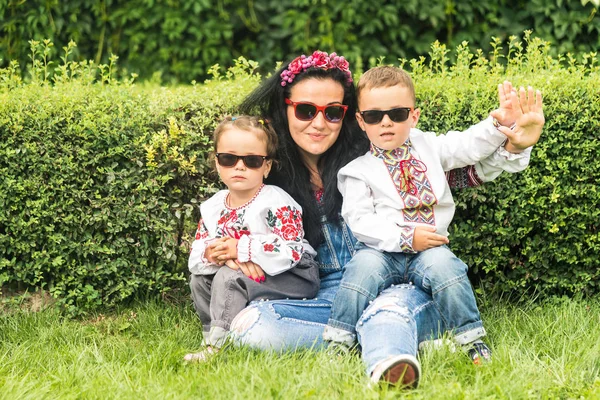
{"points": [[385, 76]]}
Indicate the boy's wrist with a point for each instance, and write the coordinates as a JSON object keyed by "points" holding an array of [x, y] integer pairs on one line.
{"points": [[508, 146], [497, 124]]}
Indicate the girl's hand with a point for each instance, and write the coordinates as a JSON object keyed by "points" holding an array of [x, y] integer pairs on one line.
{"points": [[225, 250], [425, 238], [209, 252], [250, 269]]}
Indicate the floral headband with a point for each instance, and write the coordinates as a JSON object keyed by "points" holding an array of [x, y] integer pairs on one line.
{"points": [[318, 59]]}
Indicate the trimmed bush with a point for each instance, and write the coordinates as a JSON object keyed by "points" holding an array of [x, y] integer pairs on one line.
{"points": [[100, 180]]}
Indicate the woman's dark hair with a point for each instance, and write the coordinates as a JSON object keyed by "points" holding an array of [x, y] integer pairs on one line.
{"points": [[268, 100]]}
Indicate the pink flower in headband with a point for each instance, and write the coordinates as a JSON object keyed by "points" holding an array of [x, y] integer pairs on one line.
{"points": [[318, 59]]}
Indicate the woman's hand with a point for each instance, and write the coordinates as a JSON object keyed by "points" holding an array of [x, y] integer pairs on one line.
{"points": [[250, 269], [425, 238]]}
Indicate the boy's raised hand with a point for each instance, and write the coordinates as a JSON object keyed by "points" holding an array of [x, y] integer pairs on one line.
{"points": [[526, 108], [506, 114]]}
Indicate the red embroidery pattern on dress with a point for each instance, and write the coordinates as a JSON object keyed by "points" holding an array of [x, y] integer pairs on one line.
{"points": [[231, 224], [286, 222], [201, 232], [268, 247], [418, 204]]}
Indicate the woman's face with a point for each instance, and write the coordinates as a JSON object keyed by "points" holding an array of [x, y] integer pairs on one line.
{"points": [[315, 137]]}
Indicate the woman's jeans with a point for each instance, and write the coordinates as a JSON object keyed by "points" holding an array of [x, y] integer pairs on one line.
{"points": [[283, 325], [436, 271]]}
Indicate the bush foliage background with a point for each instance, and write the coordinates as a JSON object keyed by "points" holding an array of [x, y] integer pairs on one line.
{"points": [[182, 39], [100, 177]]}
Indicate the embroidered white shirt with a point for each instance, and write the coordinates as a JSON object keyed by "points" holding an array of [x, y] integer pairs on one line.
{"points": [[382, 212], [268, 227]]}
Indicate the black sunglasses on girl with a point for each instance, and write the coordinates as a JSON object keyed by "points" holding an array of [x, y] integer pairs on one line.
{"points": [[399, 114], [305, 111], [229, 160]]}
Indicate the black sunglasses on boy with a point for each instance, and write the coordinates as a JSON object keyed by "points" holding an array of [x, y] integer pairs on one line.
{"points": [[399, 114]]}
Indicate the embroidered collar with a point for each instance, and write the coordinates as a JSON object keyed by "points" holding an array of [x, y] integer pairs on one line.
{"points": [[226, 200], [395, 155]]}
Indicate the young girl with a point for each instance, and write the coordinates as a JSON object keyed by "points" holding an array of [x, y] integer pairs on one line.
{"points": [[250, 241]]}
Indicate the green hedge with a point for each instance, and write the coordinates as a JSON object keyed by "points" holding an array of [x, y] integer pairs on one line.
{"points": [[100, 179], [182, 39]]}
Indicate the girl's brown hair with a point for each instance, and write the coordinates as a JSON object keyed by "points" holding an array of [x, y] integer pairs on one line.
{"points": [[249, 124]]}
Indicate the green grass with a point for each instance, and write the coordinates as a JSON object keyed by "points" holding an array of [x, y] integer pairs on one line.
{"points": [[549, 350]]}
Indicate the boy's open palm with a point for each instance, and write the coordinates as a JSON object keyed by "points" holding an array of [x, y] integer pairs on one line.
{"points": [[425, 238], [526, 108]]}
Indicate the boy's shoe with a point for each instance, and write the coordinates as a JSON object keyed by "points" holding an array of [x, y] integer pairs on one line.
{"points": [[402, 370], [479, 353], [201, 356]]}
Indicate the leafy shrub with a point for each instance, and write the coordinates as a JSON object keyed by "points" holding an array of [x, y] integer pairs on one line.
{"points": [[98, 181], [100, 178], [181, 39]]}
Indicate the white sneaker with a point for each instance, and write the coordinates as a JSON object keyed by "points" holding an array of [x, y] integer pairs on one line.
{"points": [[201, 356], [402, 370]]}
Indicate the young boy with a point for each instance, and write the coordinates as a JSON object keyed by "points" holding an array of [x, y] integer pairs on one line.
{"points": [[397, 201]]}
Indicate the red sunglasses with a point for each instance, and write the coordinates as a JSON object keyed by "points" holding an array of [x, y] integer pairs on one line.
{"points": [[306, 111]]}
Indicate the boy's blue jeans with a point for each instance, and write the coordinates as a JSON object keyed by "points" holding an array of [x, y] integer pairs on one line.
{"points": [[436, 271]]}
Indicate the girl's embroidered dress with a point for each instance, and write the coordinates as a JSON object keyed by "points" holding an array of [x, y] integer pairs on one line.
{"points": [[270, 234], [268, 227]]}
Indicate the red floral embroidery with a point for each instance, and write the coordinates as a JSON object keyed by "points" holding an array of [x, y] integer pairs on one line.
{"points": [[201, 232], [295, 255], [231, 224], [268, 247], [286, 215], [242, 232], [228, 216], [289, 232]]}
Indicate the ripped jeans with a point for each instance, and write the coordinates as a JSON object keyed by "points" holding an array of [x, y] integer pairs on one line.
{"points": [[400, 319], [287, 325]]}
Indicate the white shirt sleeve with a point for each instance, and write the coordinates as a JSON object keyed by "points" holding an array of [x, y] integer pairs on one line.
{"points": [[501, 160], [458, 149], [374, 230], [197, 263]]}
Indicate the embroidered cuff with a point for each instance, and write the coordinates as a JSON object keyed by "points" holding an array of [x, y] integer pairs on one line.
{"points": [[407, 233], [244, 254]]}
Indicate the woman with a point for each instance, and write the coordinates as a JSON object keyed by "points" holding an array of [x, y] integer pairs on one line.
{"points": [[311, 105]]}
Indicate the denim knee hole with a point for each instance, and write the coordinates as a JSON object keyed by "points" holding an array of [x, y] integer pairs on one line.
{"points": [[385, 305], [245, 320]]}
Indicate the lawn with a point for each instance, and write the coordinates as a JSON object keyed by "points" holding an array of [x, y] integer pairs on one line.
{"points": [[542, 350]]}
